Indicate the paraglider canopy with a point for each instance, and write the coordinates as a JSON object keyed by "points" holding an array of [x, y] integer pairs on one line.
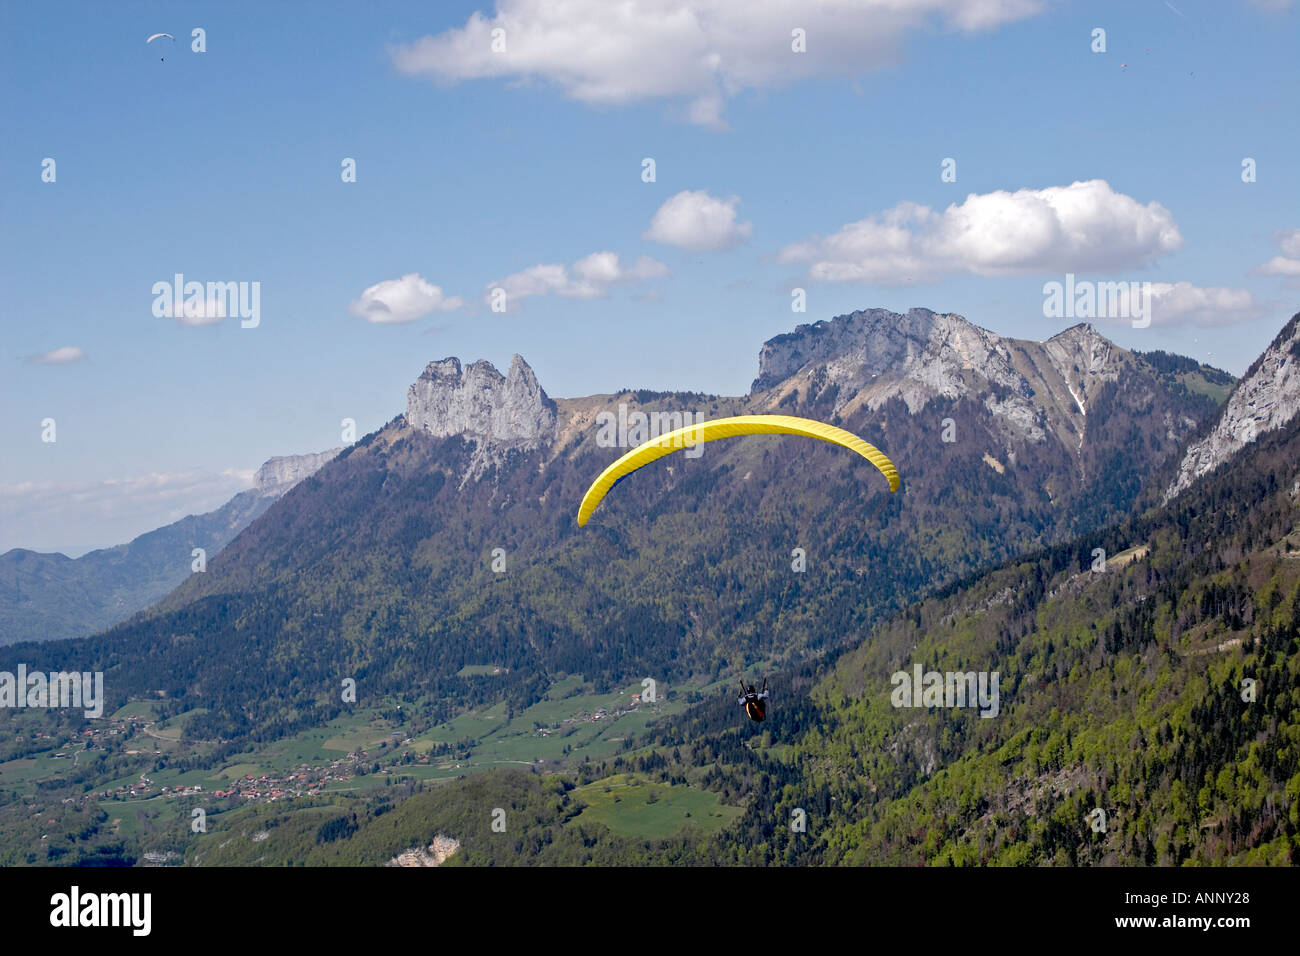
{"points": [[693, 435], [155, 37]]}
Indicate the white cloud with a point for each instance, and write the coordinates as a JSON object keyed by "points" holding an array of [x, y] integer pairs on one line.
{"points": [[694, 220], [59, 356], [1121, 302], [602, 268], [402, 300], [1280, 266], [80, 515], [1076, 228], [1182, 303], [195, 312], [591, 277], [700, 53], [1287, 264]]}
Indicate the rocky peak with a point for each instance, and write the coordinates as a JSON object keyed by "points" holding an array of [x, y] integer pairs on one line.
{"points": [[1266, 398], [1079, 333], [1084, 358], [479, 402], [923, 353], [878, 339], [277, 475], [876, 354], [1082, 346], [868, 357]]}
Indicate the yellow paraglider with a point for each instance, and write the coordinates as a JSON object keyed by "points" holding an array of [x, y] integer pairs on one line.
{"points": [[692, 435]]}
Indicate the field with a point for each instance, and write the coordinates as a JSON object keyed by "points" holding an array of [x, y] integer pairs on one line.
{"points": [[633, 807], [478, 670]]}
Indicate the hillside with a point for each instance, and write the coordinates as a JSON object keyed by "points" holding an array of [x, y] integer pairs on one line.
{"points": [[1124, 689]]}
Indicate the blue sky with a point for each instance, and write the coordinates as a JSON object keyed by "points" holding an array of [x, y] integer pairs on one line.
{"points": [[474, 168]]}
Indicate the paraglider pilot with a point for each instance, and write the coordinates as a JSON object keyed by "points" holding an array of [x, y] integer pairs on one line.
{"points": [[755, 703]]}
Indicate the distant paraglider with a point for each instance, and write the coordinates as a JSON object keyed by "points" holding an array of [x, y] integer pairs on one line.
{"points": [[693, 435], [156, 36]]}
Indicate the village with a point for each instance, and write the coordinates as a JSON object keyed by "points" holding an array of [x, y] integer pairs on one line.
{"points": [[134, 735], [126, 734]]}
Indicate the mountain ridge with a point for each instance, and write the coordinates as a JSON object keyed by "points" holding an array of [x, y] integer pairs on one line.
{"points": [[50, 596], [382, 562], [1266, 399]]}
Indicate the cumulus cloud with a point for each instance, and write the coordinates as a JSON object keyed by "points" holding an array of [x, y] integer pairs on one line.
{"points": [[1288, 263], [603, 269], [1181, 303], [59, 356], [1119, 302], [591, 277], [402, 300], [195, 311], [1083, 226], [694, 220], [80, 515], [699, 53]]}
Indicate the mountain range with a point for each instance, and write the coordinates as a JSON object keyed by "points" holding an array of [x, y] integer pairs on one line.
{"points": [[380, 566], [1147, 713], [45, 597], [1113, 534]]}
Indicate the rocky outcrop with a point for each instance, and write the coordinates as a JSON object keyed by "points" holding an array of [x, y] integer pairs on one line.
{"points": [[479, 402], [277, 475], [874, 355], [914, 356], [877, 339], [1082, 357], [434, 855], [499, 413], [1265, 399]]}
